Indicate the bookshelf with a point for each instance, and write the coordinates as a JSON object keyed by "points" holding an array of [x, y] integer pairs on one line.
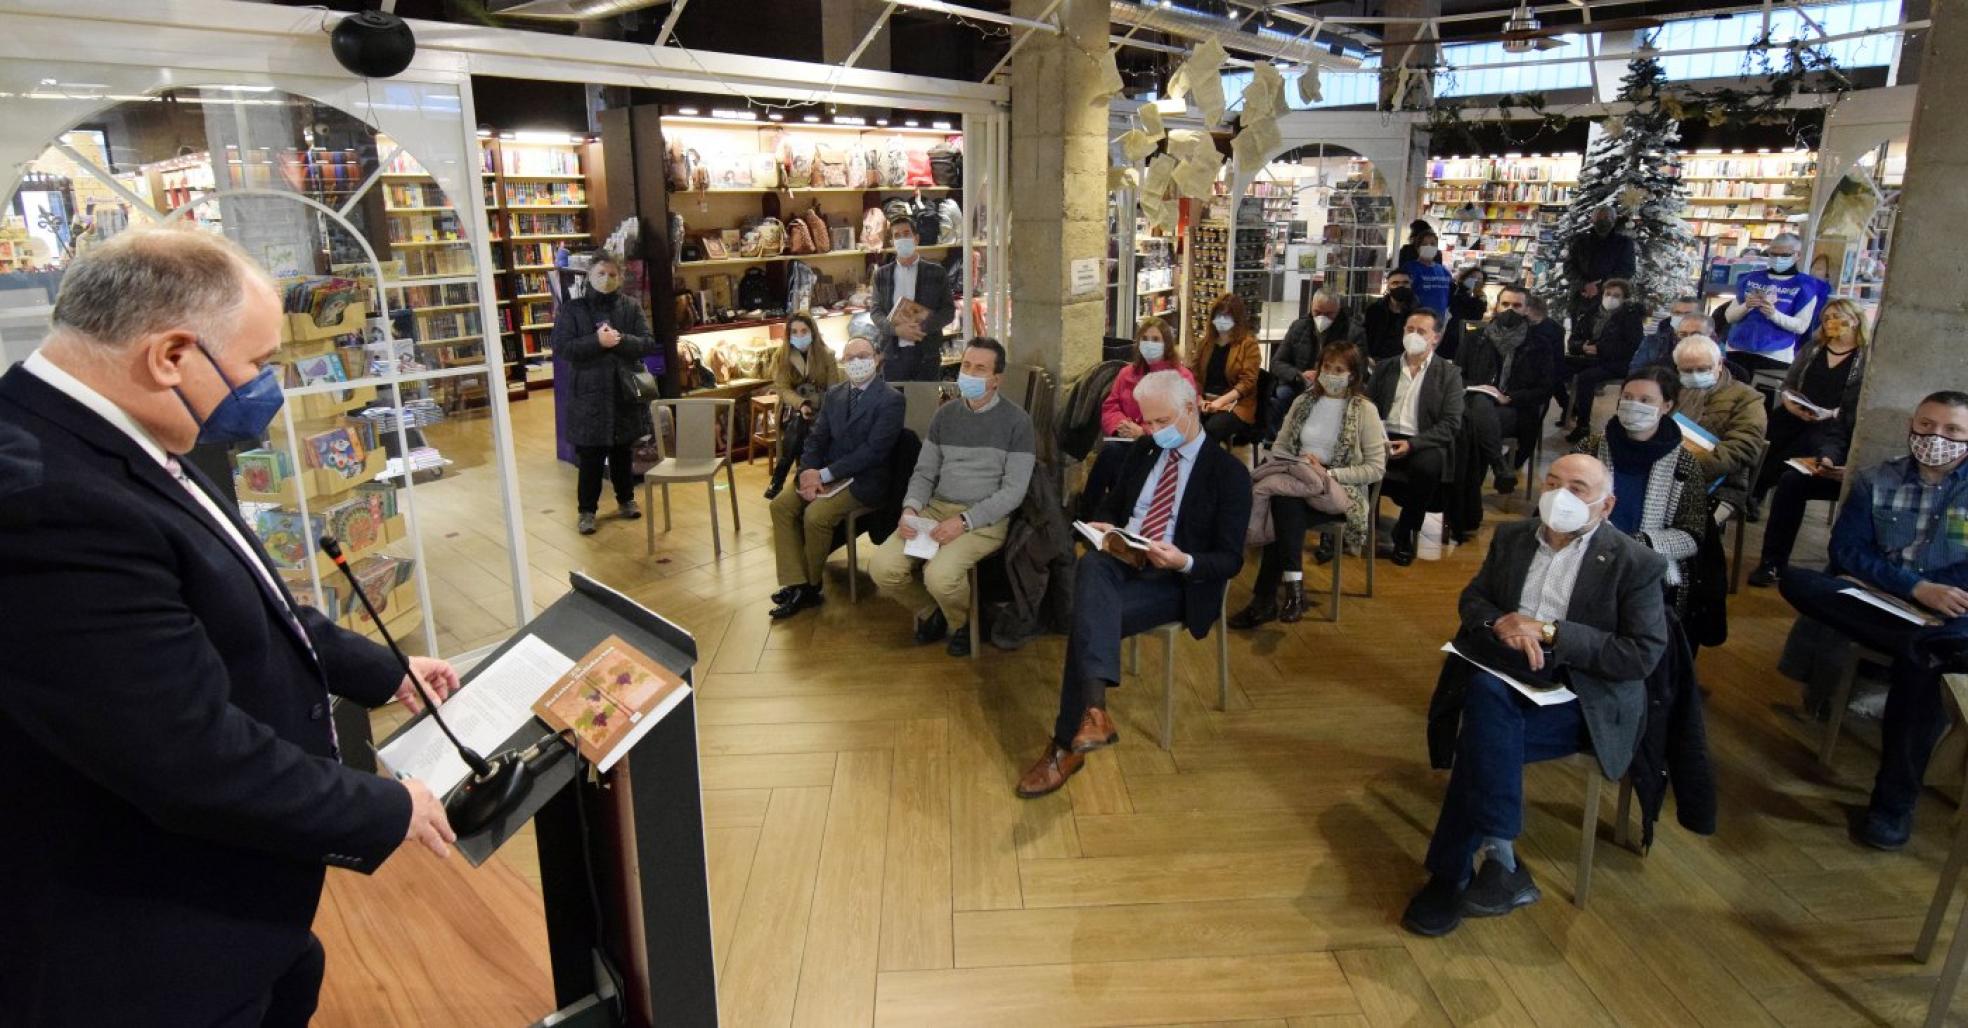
{"points": [[1739, 200], [1498, 209]]}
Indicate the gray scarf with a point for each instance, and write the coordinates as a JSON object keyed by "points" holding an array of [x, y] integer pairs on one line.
{"points": [[1507, 340]]}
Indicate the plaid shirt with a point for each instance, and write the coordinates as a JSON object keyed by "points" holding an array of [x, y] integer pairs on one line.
{"points": [[1896, 530]]}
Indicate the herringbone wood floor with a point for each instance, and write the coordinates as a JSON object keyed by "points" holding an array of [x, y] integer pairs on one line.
{"points": [[869, 863]]}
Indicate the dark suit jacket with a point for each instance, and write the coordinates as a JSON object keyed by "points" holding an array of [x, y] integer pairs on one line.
{"points": [[172, 790], [1612, 635], [922, 362], [1210, 525], [1299, 352], [1533, 370], [856, 446], [1438, 411]]}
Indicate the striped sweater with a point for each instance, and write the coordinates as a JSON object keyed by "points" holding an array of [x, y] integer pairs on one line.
{"points": [[979, 458]]}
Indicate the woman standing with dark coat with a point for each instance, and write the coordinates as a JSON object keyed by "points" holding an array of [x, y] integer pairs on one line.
{"points": [[603, 337]]}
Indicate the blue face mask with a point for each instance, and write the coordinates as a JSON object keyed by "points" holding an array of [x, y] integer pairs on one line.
{"points": [[245, 413], [1782, 264], [801, 340], [1168, 437], [971, 386]]}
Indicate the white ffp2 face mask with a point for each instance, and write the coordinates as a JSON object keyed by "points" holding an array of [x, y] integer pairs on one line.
{"points": [[1321, 322], [1415, 344], [1563, 512]]}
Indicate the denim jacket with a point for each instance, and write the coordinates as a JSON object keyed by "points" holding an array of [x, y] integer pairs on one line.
{"points": [[1875, 526]]}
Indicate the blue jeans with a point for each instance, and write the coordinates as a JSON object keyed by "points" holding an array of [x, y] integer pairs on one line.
{"points": [[1502, 731], [1111, 601], [1915, 714]]}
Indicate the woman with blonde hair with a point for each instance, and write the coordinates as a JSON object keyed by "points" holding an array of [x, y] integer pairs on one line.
{"points": [[1827, 376], [1225, 368]]}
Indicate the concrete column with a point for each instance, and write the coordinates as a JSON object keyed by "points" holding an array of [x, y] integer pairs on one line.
{"points": [[1420, 92], [1918, 342], [1058, 188], [843, 23]]}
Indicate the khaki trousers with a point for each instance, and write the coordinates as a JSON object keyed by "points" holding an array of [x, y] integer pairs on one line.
{"points": [[945, 580], [803, 533]]}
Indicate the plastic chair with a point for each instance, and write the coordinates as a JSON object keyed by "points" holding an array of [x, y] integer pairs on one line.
{"points": [[696, 460], [1589, 823], [1336, 524], [1842, 694], [1169, 632]]}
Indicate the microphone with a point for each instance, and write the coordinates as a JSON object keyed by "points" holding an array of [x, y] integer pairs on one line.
{"points": [[495, 785]]}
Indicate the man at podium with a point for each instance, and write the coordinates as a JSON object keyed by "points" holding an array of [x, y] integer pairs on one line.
{"points": [[172, 791]]}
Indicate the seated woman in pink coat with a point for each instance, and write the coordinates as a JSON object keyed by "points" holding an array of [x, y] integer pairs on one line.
{"points": [[1120, 416]]}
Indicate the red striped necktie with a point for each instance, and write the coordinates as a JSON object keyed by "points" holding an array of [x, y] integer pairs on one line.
{"points": [[1162, 510]]}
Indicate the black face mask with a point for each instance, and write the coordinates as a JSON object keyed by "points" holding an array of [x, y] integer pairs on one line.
{"points": [[1509, 319], [1603, 228], [1401, 295]]}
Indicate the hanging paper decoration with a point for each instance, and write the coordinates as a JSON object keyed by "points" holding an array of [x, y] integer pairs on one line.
{"points": [[1136, 145], [1178, 83], [1257, 142], [1265, 96], [1122, 178], [1190, 143], [1308, 85], [1200, 78], [1194, 176], [1110, 84], [1151, 121]]}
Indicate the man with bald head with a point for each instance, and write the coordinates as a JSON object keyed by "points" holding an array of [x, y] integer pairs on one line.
{"points": [[1565, 600], [173, 795]]}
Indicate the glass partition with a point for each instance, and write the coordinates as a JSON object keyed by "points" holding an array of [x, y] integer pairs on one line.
{"points": [[364, 205]]}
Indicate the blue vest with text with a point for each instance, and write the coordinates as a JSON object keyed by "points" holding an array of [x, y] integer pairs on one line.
{"points": [[1788, 294]]}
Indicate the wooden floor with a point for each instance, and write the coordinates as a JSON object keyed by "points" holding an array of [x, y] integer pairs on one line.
{"points": [[870, 865]]}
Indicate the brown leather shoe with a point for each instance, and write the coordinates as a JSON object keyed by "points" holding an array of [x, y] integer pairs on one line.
{"points": [[1049, 773], [1096, 731]]}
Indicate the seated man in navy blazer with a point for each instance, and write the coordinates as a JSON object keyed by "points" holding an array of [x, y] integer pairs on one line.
{"points": [[173, 795], [1566, 599], [1192, 502], [859, 421]]}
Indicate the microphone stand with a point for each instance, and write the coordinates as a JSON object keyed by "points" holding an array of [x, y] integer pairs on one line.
{"points": [[495, 785]]}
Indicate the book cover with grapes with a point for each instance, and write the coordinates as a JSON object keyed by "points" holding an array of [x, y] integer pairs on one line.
{"points": [[608, 699]]}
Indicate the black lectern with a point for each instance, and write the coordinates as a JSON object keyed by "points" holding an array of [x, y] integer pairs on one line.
{"points": [[622, 866]]}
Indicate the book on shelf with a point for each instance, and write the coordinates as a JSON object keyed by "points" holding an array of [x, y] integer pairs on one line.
{"points": [[288, 537], [531, 160], [263, 470]]}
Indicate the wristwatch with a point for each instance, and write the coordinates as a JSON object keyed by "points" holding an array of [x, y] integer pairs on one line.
{"points": [[1548, 632]]}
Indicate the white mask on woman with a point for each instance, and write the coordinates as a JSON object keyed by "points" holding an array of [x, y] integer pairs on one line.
{"points": [[1426, 253], [1611, 303], [1635, 416], [1224, 323]]}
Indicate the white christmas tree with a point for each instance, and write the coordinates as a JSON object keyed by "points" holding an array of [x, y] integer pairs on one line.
{"points": [[1632, 168]]}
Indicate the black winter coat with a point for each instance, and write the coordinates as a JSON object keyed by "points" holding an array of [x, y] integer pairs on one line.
{"points": [[604, 410], [1674, 748], [1533, 371], [1299, 352]]}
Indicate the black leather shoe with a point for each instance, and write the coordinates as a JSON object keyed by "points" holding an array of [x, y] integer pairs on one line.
{"points": [[1765, 575], [1496, 892], [772, 491], [1506, 484], [1880, 831], [1324, 554], [786, 594], [1404, 549], [959, 644], [1435, 910], [932, 628], [1577, 435], [807, 596], [1262, 611], [1291, 606]]}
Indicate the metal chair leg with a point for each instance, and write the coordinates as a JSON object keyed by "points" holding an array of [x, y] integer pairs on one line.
{"points": [[1168, 690], [730, 486], [1835, 718], [976, 636], [1335, 589], [1589, 834], [1223, 655], [1943, 895], [1736, 561]]}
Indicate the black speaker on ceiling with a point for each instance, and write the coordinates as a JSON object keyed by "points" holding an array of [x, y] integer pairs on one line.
{"points": [[372, 44]]}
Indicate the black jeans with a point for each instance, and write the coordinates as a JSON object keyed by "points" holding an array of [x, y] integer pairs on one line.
{"points": [[1413, 481], [1490, 423], [290, 1001], [620, 471], [1219, 427], [1111, 601], [1785, 515], [1585, 386], [1286, 551], [1282, 395], [1915, 714], [792, 439], [1789, 436]]}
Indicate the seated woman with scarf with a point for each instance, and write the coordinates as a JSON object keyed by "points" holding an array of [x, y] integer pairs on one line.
{"points": [[1658, 494]]}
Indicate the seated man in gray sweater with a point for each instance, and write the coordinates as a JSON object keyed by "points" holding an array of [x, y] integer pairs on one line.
{"points": [[971, 476]]}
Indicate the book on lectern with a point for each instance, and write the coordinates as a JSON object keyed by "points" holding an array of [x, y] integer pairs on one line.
{"points": [[609, 699]]}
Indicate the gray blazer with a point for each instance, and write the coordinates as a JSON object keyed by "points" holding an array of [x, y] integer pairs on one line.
{"points": [[922, 362], [1438, 410], [1612, 635]]}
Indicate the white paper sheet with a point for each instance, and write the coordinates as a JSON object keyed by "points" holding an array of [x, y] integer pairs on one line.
{"points": [[484, 714], [1799, 399], [1890, 605], [922, 545], [1542, 697]]}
